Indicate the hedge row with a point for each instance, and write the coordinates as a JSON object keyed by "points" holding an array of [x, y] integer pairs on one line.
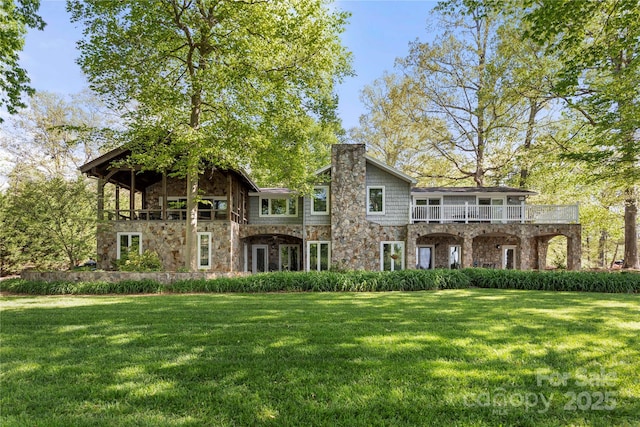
{"points": [[581, 281], [355, 281]]}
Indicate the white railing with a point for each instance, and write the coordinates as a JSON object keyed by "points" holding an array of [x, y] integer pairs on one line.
{"points": [[529, 214]]}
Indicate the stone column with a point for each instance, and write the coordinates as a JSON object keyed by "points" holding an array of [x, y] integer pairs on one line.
{"points": [[348, 206], [467, 252], [574, 250], [411, 260], [525, 252], [543, 247]]}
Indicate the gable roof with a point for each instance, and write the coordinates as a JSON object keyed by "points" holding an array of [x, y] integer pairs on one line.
{"points": [[385, 167]]}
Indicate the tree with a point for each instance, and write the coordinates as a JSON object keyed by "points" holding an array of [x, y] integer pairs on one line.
{"points": [[217, 82], [600, 46], [394, 133], [55, 135], [15, 18], [48, 222], [461, 80]]}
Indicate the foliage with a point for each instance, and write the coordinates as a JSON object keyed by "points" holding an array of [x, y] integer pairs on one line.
{"points": [[21, 286], [135, 261], [47, 223], [15, 17], [297, 359], [223, 83], [581, 281]]}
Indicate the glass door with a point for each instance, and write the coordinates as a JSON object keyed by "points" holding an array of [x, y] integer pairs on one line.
{"points": [[425, 257], [260, 258]]}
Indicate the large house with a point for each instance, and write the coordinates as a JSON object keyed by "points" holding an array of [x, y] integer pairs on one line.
{"points": [[363, 214]]}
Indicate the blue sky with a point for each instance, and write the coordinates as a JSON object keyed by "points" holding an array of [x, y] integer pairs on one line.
{"points": [[378, 33]]}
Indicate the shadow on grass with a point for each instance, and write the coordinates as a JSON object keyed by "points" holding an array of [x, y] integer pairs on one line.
{"points": [[464, 357]]}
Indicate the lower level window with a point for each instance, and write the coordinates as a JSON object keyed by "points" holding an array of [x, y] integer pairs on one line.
{"points": [[127, 243], [391, 256], [454, 256], [289, 257], [204, 251], [318, 255]]}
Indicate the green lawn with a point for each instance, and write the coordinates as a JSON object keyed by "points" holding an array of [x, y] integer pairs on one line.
{"points": [[460, 357]]}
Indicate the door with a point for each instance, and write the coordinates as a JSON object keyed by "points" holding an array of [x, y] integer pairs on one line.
{"points": [[425, 257], [497, 211], [454, 256], [508, 257], [260, 258], [289, 258]]}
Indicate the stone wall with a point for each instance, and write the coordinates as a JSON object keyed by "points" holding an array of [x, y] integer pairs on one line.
{"points": [[118, 276], [167, 238]]}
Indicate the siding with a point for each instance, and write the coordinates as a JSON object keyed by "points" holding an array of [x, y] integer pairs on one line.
{"points": [[397, 196], [256, 219], [315, 219]]}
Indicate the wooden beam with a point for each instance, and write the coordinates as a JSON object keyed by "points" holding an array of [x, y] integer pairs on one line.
{"points": [[101, 183], [164, 195], [132, 195]]}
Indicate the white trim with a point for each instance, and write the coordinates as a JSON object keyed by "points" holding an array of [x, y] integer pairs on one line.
{"points": [[286, 198], [459, 255], [130, 234], [392, 242], [318, 257], [254, 257], [312, 199], [503, 256], [290, 246], [433, 256], [376, 187], [202, 234]]}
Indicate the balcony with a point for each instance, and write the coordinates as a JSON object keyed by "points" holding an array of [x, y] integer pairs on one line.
{"points": [[171, 215], [497, 214]]}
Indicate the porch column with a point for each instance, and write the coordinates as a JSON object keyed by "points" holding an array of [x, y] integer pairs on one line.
{"points": [[467, 252], [543, 248], [574, 252], [101, 184], [132, 195], [525, 253], [163, 214], [411, 261]]}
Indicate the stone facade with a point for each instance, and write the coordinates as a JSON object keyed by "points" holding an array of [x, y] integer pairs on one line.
{"points": [[356, 239]]}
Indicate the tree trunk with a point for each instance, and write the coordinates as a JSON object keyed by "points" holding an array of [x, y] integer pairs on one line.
{"points": [[602, 262], [191, 233], [534, 107], [631, 229]]}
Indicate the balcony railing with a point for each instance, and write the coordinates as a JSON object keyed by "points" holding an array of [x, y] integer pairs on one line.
{"points": [[171, 215], [524, 214]]}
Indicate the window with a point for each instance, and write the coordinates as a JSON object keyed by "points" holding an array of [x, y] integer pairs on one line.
{"points": [[375, 200], [391, 256], [289, 257], [204, 251], [425, 257], [318, 256], [454, 257], [278, 206], [127, 243], [320, 201]]}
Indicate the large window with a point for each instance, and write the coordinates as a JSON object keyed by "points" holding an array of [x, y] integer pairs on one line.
{"points": [[318, 256], [127, 243], [204, 251], [391, 256], [375, 200], [278, 206], [320, 201], [289, 257]]}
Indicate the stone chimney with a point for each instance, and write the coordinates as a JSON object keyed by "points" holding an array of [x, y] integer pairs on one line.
{"points": [[348, 205]]}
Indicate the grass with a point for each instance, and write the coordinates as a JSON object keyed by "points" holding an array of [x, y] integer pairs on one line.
{"points": [[470, 357]]}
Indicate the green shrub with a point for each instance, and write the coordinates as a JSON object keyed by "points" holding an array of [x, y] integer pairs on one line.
{"points": [[21, 286], [133, 261], [582, 281]]}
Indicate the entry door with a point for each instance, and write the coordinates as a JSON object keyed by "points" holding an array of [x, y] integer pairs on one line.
{"points": [[508, 257], [260, 258], [425, 257]]}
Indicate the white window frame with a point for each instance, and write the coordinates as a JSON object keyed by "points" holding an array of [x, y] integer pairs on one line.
{"points": [[503, 256], [326, 211], [376, 187], [288, 245], [459, 255], [202, 234], [288, 199], [129, 234], [432, 258], [392, 242], [308, 257]]}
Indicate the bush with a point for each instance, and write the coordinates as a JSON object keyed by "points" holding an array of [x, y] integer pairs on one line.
{"points": [[133, 261], [582, 281], [21, 286]]}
